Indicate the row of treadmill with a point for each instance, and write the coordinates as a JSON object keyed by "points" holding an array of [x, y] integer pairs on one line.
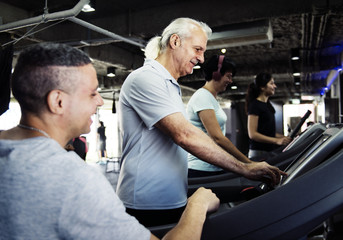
{"points": [[307, 203]]}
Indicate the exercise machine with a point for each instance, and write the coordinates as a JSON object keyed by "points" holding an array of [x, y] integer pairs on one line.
{"points": [[310, 194], [228, 186]]}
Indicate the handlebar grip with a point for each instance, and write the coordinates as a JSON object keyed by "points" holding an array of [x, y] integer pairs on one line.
{"points": [[302, 120]]}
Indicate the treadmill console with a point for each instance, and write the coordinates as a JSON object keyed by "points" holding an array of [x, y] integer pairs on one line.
{"points": [[325, 145], [312, 156]]}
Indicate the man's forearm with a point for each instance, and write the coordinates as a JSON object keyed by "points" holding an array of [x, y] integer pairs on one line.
{"points": [[190, 225], [202, 146], [193, 218], [228, 146], [198, 143]]}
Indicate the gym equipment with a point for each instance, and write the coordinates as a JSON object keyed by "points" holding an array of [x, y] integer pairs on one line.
{"points": [[310, 194], [228, 186], [301, 122]]}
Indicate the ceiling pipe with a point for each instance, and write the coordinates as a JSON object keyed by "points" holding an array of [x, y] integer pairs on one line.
{"points": [[104, 32], [45, 17], [67, 14]]}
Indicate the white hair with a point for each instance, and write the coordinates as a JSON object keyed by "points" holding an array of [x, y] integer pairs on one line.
{"points": [[179, 26]]}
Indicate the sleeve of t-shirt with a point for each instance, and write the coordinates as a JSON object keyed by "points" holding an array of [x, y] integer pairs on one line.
{"points": [[253, 109], [151, 97], [201, 101], [94, 211]]}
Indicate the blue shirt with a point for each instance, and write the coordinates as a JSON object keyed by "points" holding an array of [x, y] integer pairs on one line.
{"points": [[49, 193], [201, 100], [154, 169]]}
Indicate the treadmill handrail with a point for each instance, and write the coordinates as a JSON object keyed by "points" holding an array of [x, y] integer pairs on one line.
{"points": [[302, 120], [306, 202]]}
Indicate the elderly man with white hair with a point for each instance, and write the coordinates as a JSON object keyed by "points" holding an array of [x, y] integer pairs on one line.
{"points": [[156, 133]]}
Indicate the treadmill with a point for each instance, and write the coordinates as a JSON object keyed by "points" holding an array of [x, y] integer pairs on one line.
{"points": [[310, 194], [292, 135], [228, 186]]}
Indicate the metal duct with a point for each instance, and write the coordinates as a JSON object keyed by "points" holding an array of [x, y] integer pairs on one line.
{"points": [[105, 32], [241, 34], [67, 14], [45, 17]]}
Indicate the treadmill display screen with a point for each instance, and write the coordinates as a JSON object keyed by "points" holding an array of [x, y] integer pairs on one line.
{"points": [[299, 160]]}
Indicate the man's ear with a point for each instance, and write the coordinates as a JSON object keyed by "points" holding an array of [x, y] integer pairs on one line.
{"points": [[174, 41], [56, 101]]}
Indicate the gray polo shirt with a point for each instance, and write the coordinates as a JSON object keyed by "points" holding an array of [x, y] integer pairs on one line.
{"points": [[154, 168]]}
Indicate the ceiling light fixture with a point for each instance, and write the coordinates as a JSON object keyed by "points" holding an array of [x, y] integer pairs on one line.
{"points": [[296, 80], [295, 54], [111, 71], [90, 7], [241, 34]]}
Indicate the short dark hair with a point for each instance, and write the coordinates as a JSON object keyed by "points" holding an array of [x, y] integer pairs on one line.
{"points": [[37, 73], [212, 66]]}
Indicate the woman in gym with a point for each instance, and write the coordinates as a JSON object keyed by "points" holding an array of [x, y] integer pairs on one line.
{"points": [[261, 117]]}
